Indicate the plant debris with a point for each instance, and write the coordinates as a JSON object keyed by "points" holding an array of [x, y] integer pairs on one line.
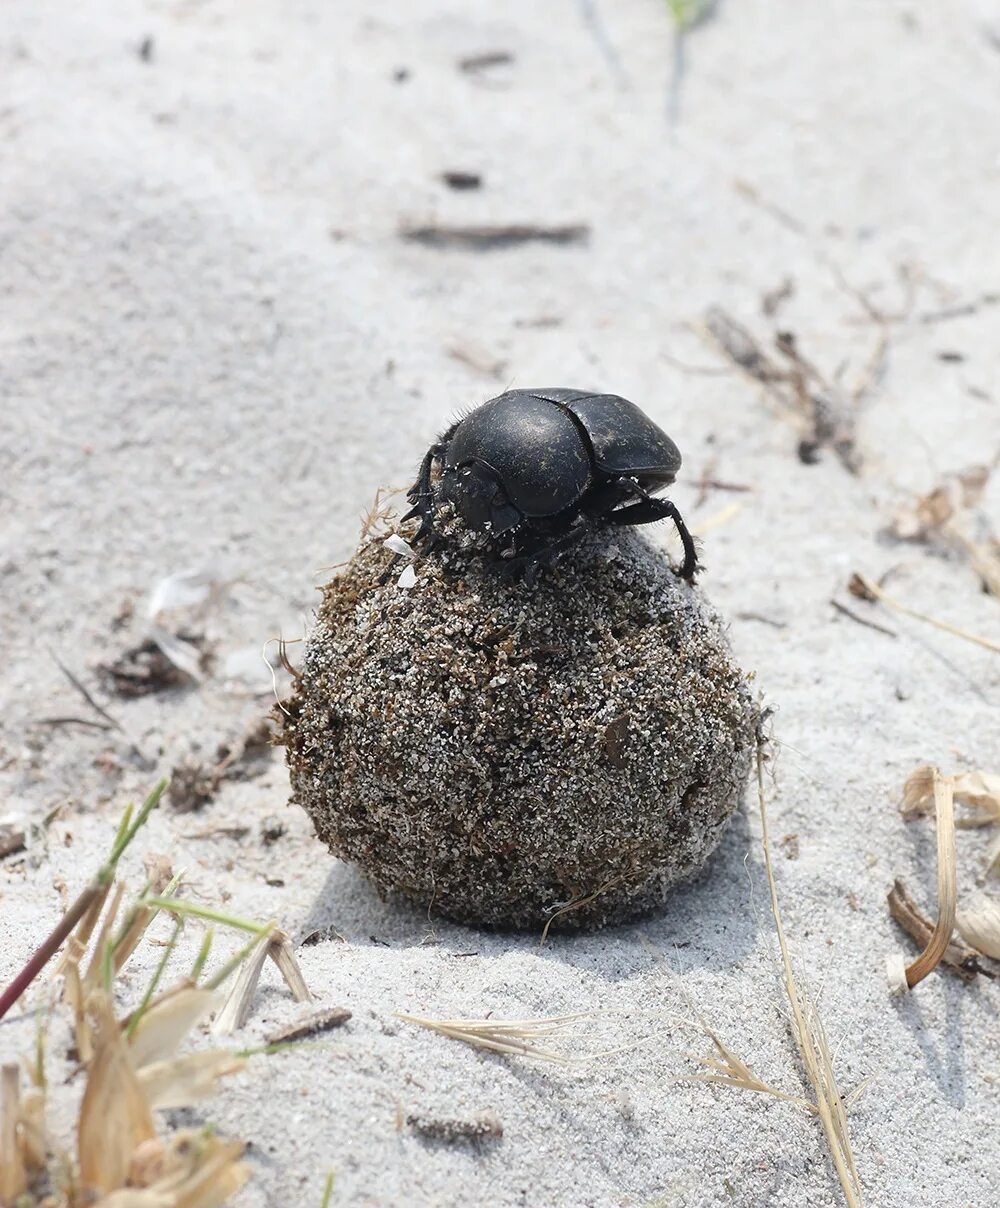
{"points": [[979, 790], [957, 958], [483, 1128], [944, 515], [270, 942], [194, 783], [928, 780], [312, 1025], [491, 238], [864, 589], [145, 669], [826, 414]]}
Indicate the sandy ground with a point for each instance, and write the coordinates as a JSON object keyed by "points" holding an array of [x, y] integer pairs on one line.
{"points": [[216, 346]]}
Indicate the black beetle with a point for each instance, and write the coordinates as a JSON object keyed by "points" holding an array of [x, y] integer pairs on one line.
{"points": [[534, 470]]}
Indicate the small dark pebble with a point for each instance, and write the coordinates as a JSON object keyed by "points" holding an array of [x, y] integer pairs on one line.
{"points": [[462, 181]]}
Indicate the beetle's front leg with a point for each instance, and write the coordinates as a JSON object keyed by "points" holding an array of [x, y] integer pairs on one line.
{"points": [[649, 510], [421, 494]]}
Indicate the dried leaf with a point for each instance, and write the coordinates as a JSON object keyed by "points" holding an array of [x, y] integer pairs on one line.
{"points": [[167, 1021], [957, 958], [209, 1172], [182, 1081], [979, 926], [918, 792], [918, 518], [32, 1136], [133, 1198], [114, 1116], [981, 790]]}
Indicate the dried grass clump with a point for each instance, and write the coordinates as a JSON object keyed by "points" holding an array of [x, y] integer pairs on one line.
{"points": [[131, 1065]]}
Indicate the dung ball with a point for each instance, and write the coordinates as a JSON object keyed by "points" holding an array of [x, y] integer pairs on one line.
{"points": [[513, 755]]}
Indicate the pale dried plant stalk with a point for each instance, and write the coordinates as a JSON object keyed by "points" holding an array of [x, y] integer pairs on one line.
{"points": [[810, 1035], [277, 945], [866, 589], [943, 793], [13, 1172]]}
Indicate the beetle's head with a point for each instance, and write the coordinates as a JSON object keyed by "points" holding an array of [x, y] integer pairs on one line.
{"points": [[475, 493]]}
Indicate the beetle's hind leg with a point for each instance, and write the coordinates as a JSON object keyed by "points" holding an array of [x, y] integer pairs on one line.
{"points": [[421, 494], [646, 511]]}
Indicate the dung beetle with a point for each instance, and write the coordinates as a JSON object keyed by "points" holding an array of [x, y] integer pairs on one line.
{"points": [[532, 471]]}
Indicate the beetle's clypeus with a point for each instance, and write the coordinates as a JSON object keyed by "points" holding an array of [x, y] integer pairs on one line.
{"points": [[532, 471]]}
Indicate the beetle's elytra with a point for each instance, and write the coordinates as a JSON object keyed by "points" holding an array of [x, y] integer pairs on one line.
{"points": [[534, 470]]}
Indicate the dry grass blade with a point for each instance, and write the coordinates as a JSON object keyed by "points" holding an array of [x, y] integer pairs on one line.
{"points": [[937, 945], [13, 1173], [236, 1008], [114, 1115], [514, 1036], [866, 590], [730, 1070], [810, 1036], [312, 1025]]}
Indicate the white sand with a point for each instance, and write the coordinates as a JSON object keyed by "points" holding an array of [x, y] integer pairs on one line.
{"points": [[215, 348]]}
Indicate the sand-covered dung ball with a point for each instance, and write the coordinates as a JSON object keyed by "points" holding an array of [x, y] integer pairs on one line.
{"points": [[504, 753]]}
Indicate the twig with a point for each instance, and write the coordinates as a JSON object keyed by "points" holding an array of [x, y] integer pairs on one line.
{"points": [[72, 721], [494, 238], [101, 712], [847, 612]]}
